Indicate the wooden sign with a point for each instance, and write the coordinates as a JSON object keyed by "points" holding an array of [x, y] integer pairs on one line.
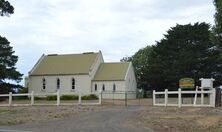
{"points": [[186, 83]]}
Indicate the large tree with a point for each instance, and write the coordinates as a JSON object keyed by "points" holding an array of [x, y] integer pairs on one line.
{"points": [[140, 63], [185, 51], [218, 21], [8, 72]]}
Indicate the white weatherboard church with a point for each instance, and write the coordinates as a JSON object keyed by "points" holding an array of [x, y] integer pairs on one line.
{"points": [[86, 72]]}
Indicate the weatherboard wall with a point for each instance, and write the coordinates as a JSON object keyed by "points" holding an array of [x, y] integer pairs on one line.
{"points": [[82, 83]]}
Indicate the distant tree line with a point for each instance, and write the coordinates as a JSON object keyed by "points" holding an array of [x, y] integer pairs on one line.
{"points": [[190, 50]]}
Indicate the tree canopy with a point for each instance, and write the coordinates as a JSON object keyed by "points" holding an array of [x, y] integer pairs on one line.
{"points": [[6, 8], [7, 58], [218, 21], [185, 51]]}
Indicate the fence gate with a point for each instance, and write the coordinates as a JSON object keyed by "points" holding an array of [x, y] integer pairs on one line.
{"points": [[129, 98]]}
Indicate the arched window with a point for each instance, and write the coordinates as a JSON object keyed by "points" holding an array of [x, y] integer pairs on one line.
{"points": [[58, 83], [73, 83], [104, 87], [114, 87], [95, 87], [43, 84]]}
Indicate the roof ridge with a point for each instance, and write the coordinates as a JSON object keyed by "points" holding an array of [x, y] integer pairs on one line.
{"points": [[84, 53]]}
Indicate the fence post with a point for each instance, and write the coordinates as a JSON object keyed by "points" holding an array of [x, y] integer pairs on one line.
{"points": [[80, 98], [212, 97], [154, 97], [166, 97], [58, 97], [202, 97], [10, 99], [195, 97], [100, 97], [179, 98], [32, 98], [125, 98]]}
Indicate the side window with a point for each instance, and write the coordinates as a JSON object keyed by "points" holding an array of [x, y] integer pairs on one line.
{"points": [[73, 84], [95, 87], [58, 83], [43, 84], [104, 87], [114, 87]]}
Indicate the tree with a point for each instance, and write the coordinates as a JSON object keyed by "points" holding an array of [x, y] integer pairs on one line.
{"points": [[185, 51], [140, 63], [218, 21], [6, 8], [7, 59]]}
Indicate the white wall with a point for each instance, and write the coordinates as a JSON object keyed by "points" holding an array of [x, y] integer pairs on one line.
{"points": [[82, 82], [120, 85], [131, 84], [130, 78]]}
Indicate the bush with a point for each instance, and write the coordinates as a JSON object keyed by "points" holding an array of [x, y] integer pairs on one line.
{"points": [[89, 97], [51, 97], [23, 90], [69, 97], [39, 98]]}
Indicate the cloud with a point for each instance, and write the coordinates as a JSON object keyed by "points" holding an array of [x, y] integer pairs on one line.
{"points": [[117, 28]]}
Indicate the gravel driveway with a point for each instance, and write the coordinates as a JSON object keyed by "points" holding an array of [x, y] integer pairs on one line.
{"points": [[105, 120]]}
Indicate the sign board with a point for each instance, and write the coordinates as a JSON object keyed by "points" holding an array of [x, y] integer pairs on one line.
{"points": [[207, 83], [186, 83]]}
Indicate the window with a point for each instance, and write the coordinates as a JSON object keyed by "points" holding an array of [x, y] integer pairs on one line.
{"points": [[114, 87], [43, 84], [95, 87], [73, 83], [103, 87], [58, 83]]}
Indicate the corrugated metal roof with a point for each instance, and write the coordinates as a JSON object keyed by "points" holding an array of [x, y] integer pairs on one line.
{"points": [[66, 64], [111, 71]]}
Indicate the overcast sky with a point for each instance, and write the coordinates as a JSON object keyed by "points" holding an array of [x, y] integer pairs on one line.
{"points": [[116, 27]]}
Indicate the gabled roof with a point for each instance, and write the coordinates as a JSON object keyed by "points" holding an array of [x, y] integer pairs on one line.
{"points": [[112, 71], [67, 64]]}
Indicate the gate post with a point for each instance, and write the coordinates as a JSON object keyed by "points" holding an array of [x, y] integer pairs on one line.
{"points": [[125, 98]]}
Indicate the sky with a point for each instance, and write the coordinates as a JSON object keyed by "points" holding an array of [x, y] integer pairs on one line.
{"points": [[118, 28]]}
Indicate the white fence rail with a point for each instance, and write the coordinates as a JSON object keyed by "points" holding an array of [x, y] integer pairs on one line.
{"points": [[179, 93], [32, 96]]}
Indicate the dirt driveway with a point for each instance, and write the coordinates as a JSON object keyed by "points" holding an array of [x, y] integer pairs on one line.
{"points": [[109, 118], [104, 119]]}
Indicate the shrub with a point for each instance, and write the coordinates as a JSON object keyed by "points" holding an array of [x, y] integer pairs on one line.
{"points": [[23, 90], [51, 97], [69, 97], [39, 98], [89, 97]]}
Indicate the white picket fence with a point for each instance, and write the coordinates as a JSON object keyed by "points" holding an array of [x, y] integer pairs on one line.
{"points": [[179, 102], [32, 96]]}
